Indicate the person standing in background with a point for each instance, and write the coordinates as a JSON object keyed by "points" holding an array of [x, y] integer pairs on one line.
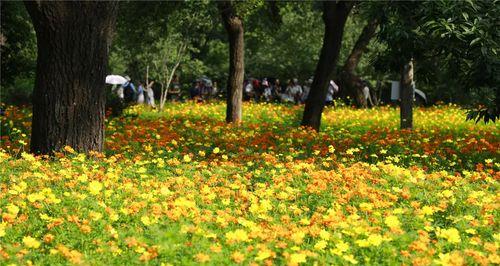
{"points": [[150, 96], [306, 88], [140, 94]]}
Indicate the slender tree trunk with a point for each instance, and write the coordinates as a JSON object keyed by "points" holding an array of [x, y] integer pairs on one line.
{"points": [[360, 45], [73, 40], [350, 82], [234, 29], [406, 108], [334, 16]]}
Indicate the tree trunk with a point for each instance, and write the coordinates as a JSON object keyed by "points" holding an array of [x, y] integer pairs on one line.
{"points": [[350, 83], [234, 29], [360, 45], [406, 108], [73, 40], [334, 16]]}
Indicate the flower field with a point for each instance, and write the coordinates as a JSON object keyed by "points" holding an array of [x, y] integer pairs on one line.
{"points": [[183, 188]]}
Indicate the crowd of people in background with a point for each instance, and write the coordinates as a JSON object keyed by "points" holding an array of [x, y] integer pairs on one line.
{"points": [[272, 90], [129, 94], [203, 89]]}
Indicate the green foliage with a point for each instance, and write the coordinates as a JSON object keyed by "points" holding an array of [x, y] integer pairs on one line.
{"points": [[18, 49], [466, 38], [168, 26], [215, 60], [247, 8], [289, 51], [455, 45], [484, 106], [19, 91]]}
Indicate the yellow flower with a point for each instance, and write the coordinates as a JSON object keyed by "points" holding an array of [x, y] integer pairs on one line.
{"points": [[297, 258], [30, 242], [304, 221], [298, 237], [263, 254], [452, 235], [392, 221], [262, 208], [145, 220], [201, 257], [471, 231], [372, 240], [35, 196], [447, 193], [95, 216], [69, 149], [375, 239], [239, 235], [331, 149], [340, 248], [238, 257], [83, 178], [497, 237], [28, 157], [350, 258], [321, 245], [426, 210], [141, 170], [95, 187], [216, 150], [12, 209], [362, 243], [323, 234], [494, 259], [2, 229], [365, 206], [186, 158], [449, 259]]}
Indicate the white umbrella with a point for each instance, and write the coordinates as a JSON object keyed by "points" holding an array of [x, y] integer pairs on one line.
{"points": [[115, 79]]}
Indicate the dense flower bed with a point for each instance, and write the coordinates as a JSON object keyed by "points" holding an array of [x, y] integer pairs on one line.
{"points": [[181, 187]]}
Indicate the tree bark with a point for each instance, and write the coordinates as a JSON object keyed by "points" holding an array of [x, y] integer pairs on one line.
{"points": [[406, 108], [234, 28], [73, 40], [360, 45], [334, 16], [350, 83]]}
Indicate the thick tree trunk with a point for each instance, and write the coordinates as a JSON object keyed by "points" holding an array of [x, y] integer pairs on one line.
{"points": [[406, 108], [350, 83], [334, 16], [234, 29], [73, 40]]}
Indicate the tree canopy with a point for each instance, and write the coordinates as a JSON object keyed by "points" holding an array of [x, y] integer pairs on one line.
{"points": [[454, 44]]}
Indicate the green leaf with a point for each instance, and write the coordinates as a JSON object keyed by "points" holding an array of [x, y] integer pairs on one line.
{"points": [[475, 41]]}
